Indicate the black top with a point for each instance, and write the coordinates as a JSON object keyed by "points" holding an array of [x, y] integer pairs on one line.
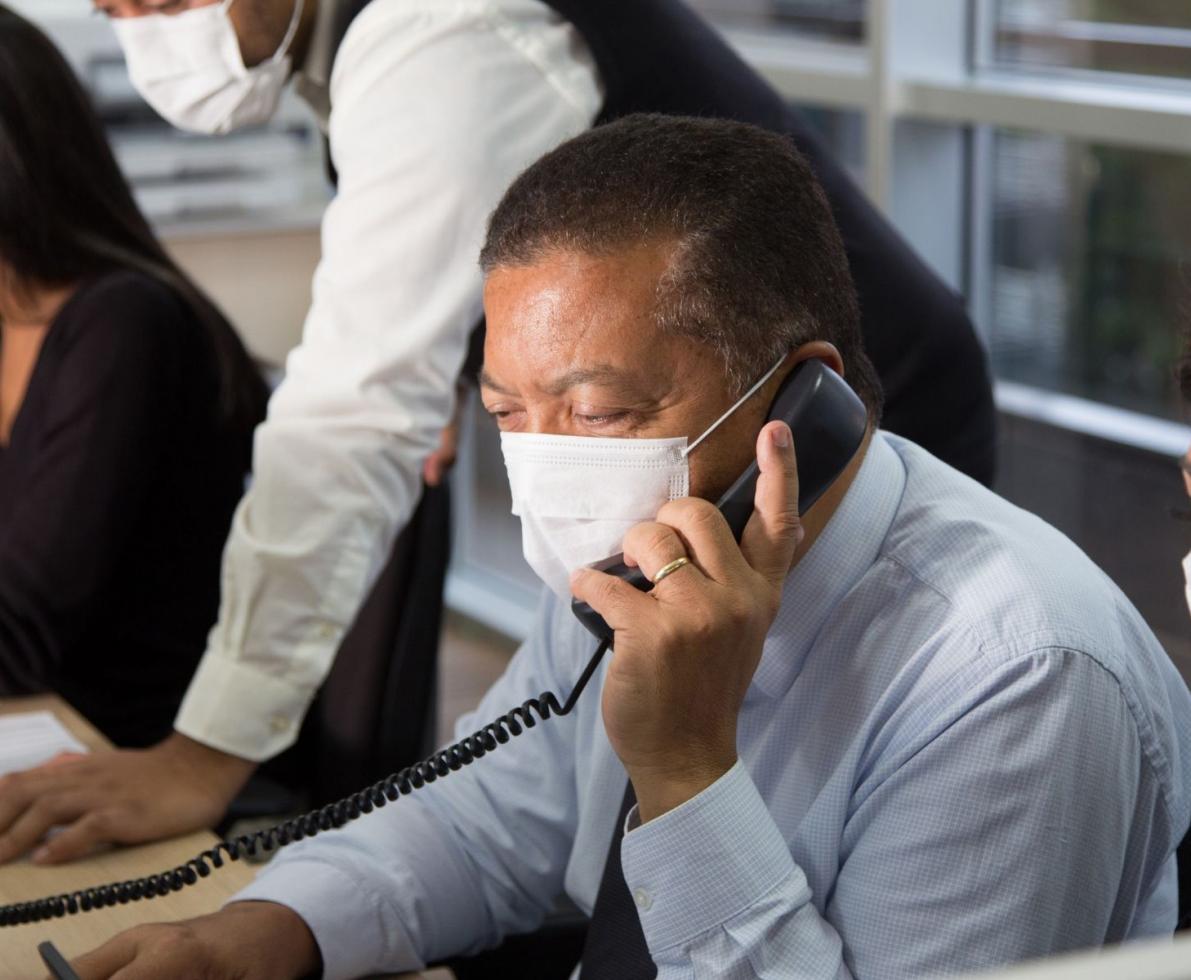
{"points": [[116, 495], [659, 56]]}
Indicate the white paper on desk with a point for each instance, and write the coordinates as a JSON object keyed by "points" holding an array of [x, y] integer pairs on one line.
{"points": [[33, 737]]}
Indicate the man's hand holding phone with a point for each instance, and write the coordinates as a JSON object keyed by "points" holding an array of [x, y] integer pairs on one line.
{"points": [[686, 651]]}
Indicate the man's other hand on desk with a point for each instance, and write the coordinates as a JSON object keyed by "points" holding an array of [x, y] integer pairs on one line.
{"points": [[123, 797], [245, 941]]}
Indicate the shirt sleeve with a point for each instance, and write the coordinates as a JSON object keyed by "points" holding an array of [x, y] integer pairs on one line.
{"points": [[69, 528], [458, 864], [971, 845], [437, 107]]}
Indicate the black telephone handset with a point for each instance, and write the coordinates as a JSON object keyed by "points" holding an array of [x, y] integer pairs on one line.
{"points": [[828, 421]]}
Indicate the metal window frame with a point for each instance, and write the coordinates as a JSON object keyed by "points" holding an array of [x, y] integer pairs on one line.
{"points": [[922, 70], [987, 59]]}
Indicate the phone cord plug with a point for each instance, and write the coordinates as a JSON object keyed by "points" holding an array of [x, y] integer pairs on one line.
{"points": [[438, 766]]}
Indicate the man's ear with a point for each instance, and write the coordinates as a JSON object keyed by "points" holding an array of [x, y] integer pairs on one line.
{"points": [[814, 350], [819, 350]]}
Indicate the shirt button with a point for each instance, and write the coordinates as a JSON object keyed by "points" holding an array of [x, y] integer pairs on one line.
{"points": [[643, 899], [326, 631], [279, 723]]}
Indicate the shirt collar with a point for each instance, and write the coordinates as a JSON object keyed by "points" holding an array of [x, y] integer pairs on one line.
{"points": [[847, 547], [313, 81]]}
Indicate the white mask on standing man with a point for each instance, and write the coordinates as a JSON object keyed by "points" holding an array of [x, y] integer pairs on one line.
{"points": [[189, 68]]}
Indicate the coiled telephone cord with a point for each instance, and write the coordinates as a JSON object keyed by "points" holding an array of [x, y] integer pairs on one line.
{"points": [[334, 815]]}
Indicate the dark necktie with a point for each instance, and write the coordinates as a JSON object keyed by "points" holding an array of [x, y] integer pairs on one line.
{"points": [[615, 948]]}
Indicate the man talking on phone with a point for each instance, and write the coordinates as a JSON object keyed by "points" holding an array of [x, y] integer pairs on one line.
{"points": [[912, 731], [431, 107]]}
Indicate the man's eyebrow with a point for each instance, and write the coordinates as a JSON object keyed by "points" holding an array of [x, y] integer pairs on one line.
{"points": [[597, 374], [487, 381]]}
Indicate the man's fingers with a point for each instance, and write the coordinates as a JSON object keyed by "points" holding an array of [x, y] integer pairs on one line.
{"points": [[652, 545], [14, 800], [707, 535], [102, 963], [18, 796], [19, 790], [51, 795], [618, 602], [62, 758], [78, 840], [439, 462], [774, 531], [31, 826]]}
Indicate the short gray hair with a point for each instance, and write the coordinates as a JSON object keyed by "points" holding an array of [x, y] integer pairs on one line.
{"points": [[758, 266]]}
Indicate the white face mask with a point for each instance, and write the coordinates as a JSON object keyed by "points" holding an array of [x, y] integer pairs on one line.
{"points": [[188, 67], [578, 496]]}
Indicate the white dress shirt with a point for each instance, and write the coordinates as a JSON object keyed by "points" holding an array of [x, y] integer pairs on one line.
{"points": [[962, 747], [435, 107]]}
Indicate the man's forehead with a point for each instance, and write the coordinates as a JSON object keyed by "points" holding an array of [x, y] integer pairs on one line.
{"points": [[569, 318], [574, 306], [556, 384]]}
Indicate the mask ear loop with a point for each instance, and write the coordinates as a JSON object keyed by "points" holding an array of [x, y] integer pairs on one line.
{"points": [[740, 401], [290, 31]]}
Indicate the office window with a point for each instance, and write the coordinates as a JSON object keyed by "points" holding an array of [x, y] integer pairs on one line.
{"points": [[1089, 289], [837, 20], [843, 132], [1142, 37]]}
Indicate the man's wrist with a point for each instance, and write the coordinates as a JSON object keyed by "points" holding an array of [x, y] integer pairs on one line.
{"points": [[660, 791], [280, 933], [223, 771]]}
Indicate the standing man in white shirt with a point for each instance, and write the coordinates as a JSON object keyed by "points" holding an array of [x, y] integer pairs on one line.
{"points": [[437, 106], [431, 107]]}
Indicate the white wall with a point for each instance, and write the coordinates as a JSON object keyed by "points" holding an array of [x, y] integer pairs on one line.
{"points": [[261, 280]]}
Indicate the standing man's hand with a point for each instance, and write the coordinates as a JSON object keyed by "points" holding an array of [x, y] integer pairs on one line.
{"points": [[246, 941], [438, 464], [685, 653], [123, 797]]}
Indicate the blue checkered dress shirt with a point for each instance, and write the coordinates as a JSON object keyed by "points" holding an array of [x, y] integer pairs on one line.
{"points": [[962, 747]]}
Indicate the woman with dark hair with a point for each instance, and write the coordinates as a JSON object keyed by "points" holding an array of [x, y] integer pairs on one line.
{"points": [[127, 405]]}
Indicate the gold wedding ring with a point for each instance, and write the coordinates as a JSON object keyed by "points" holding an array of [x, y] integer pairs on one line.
{"points": [[669, 568]]}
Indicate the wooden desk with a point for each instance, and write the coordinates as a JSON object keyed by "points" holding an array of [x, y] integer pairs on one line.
{"points": [[74, 935]]}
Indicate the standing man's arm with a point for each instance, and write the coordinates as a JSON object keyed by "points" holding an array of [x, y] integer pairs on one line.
{"points": [[436, 108]]}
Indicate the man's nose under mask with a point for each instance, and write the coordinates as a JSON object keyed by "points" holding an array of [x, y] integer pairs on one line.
{"points": [[578, 496], [189, 68]]}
